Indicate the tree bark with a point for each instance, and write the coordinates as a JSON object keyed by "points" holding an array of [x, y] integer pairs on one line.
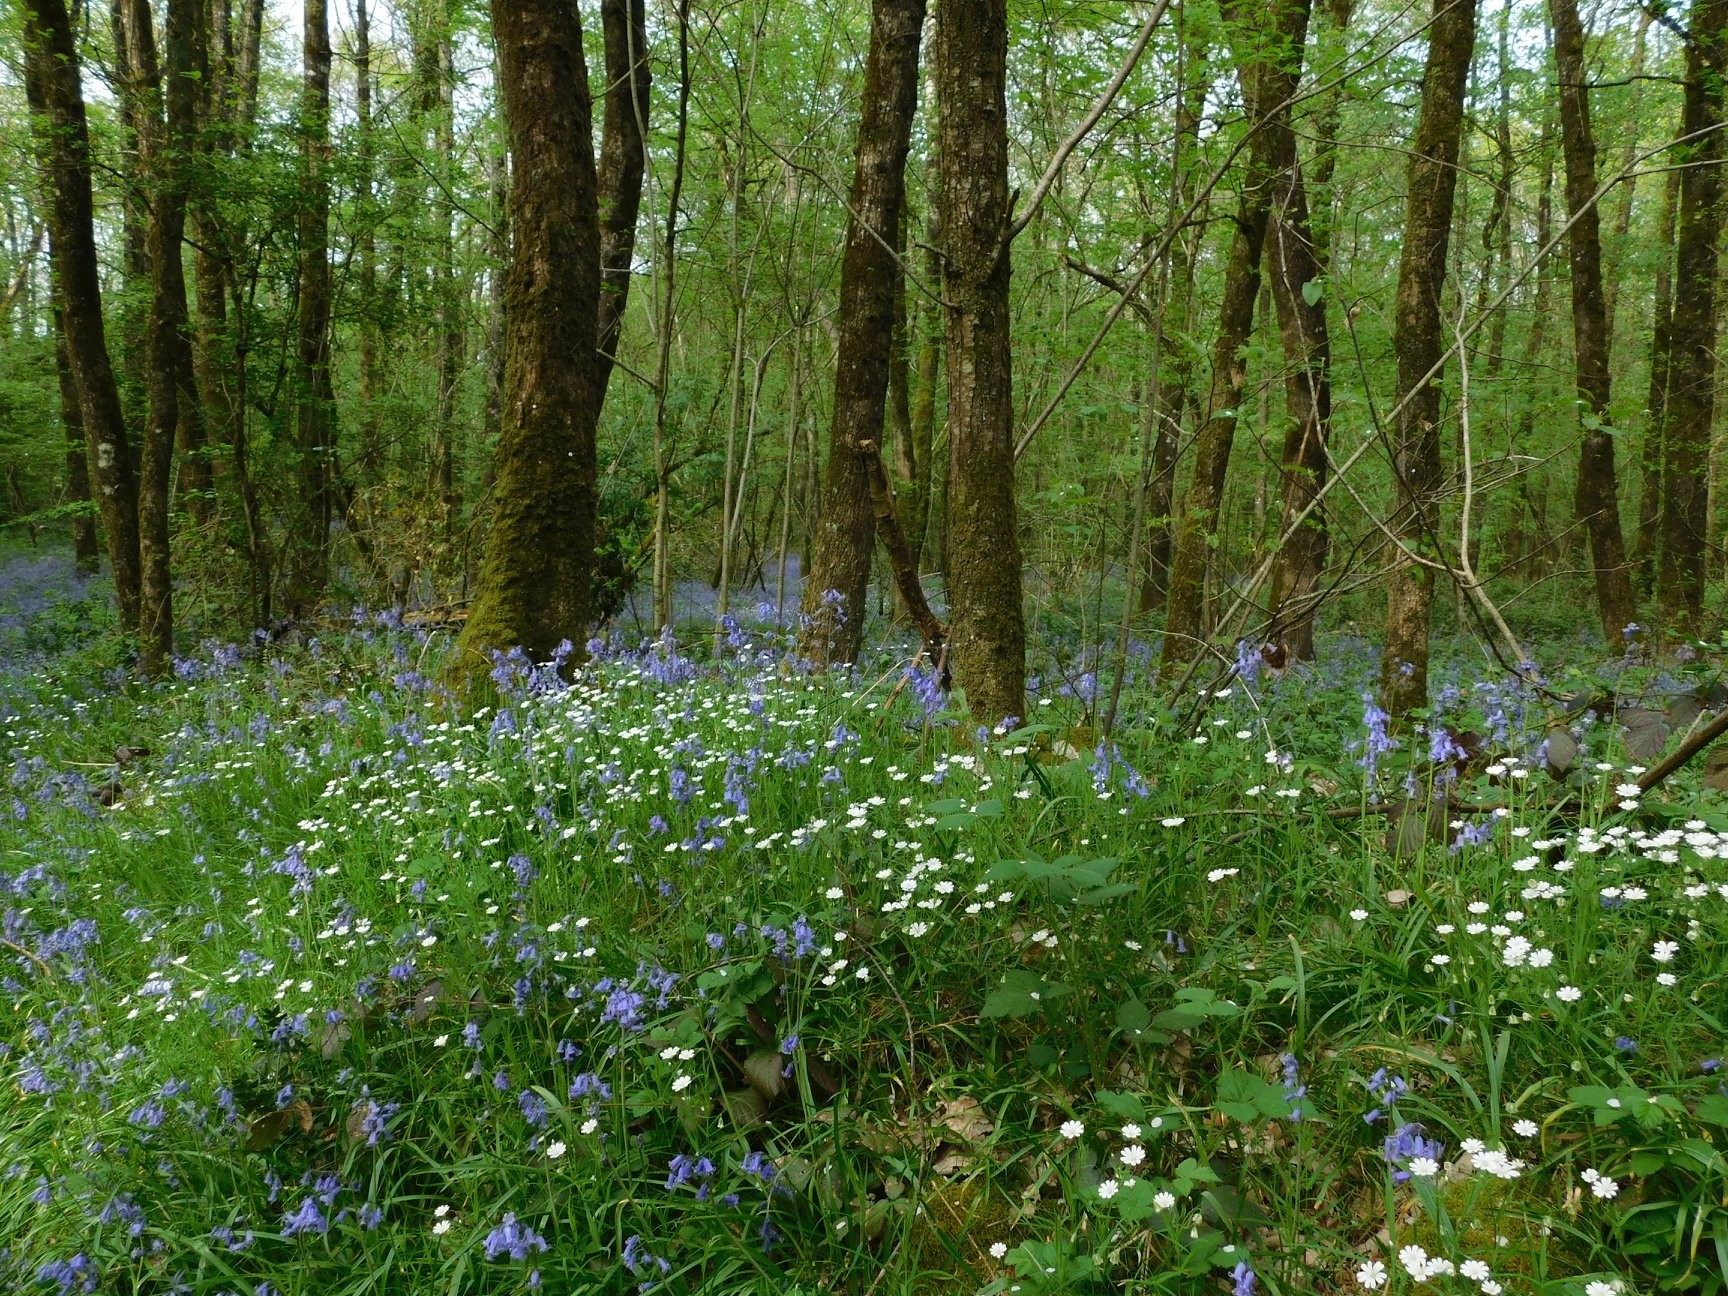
{"points": [[315, 421], [1171, 395], [86, 546], [1270, 43], [1597, 501], [622, 161], [164, 100], [1325, 161], [664, 320], [839, 575], [1615, 254], [911, 463], [1692, 369], [534, 580], [1661, 362], [987, 618], [923, 508], [1417, 343], [366, 236], [1301, 304], [63, 135], [449, 285]]}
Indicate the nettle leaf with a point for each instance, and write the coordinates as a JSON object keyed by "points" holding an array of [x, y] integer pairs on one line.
{"points": [[1612, 1105], [964, 816], [1127, 1106], [1021, 994], [1714, 1110], [1247, 1098], [1133, 1017], [1051, 1266], [1194, 1004], [1069, 879], [1133, 1202]]}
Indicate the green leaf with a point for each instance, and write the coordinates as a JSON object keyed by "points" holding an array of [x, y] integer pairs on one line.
{"points": [[1313, 291], [1133, 1017], [1247, 1098], [1194, 1004], [1127, 1106], [1021, 994], [1714, 1110]]}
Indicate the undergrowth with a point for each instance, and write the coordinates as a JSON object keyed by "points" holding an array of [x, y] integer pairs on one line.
{"points": [[697, 973]]}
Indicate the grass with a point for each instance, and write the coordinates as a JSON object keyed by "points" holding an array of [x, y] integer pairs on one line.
{"points": [[704, 975]]}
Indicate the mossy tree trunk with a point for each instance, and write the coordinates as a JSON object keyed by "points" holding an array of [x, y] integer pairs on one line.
{"points": [[56, 98], [1270, 47], [839, 575], [315, 401], [163, 97], [1692, 333], [988, 624], [1597, 501], [532, 589], [624, 30], [1417, 342]]}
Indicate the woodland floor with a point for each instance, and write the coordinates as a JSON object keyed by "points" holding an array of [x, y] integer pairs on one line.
{"points": [[699, 974]]}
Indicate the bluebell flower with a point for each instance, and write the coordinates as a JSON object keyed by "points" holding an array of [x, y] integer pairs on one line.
{"points": [[307, 1219], [1294, 1090], [1386, 1089], [533, 1108], [77, 1274], [1376, 741], [1405, 1144], [514, 1239]]}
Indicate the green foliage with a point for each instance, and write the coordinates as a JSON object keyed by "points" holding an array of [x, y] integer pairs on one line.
{"points": [[942, 1013]]}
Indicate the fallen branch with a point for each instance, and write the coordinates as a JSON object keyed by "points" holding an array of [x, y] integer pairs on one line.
{"points": [[1684, 752]]}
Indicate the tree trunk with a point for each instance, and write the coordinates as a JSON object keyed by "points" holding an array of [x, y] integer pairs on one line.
{"points": [[1271, 43], [911, 463], [1296, 290], [918, 508], [1661, 362], [1615, 253], [984, 591], [622, 161], [86, 548], [450, 287], [366, 239], [533, 585], [315, 420], [1598, 497], [663, 323], [1323, 215], [1417, 343], [835, 586], [57, 107], [164, 148], [1171, 395], [1692, 338], [1692, 334]]}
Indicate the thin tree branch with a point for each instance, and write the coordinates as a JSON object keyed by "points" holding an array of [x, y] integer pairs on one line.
{"points": [[1099, 107]]}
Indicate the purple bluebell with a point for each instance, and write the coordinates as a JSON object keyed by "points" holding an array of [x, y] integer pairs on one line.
{"points": [[306, 1219], [514, 1239]]}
